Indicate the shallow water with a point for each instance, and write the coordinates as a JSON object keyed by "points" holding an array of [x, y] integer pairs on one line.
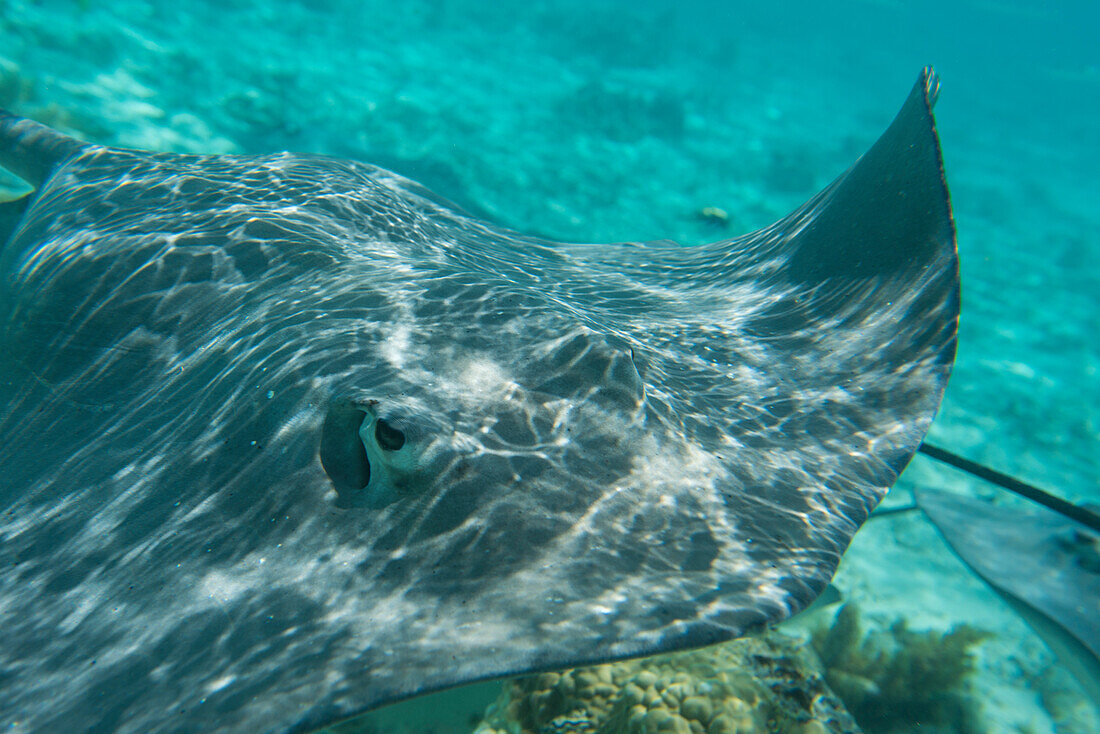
{"points": [[624, 121]]}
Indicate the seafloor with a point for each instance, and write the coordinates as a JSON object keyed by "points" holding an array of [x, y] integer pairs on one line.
{"points": [[605, 121]]}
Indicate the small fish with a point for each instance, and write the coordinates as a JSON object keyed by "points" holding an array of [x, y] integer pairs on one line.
{"points": [[575, 722]]}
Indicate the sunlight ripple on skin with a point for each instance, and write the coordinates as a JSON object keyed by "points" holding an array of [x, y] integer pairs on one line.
{"points": [[322, 442]]}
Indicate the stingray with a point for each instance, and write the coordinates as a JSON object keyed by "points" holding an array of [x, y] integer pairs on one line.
{"points": [[287, 437], [1044, 564]]}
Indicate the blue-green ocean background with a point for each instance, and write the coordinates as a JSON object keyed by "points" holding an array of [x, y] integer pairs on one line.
{"points": [[601, 121]]}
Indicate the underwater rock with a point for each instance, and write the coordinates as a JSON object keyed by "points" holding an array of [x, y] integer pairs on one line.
{"points": [[623, 114], [713, 216], [266, 113], [15, 88], [615, 37], [761, 684]]}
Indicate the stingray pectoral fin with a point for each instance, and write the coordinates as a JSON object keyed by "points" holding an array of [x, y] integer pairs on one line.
{"points": [[851, 304], [890, 213], [31, 150], [806, 361]]}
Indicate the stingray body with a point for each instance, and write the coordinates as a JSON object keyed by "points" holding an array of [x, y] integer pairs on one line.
{"points": [[286, 437], [1045, 565]]}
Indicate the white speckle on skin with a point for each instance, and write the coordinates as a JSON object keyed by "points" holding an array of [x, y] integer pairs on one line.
{"points": [[482, 377], [476, 380], [84, 607], [395, 347], [218, 684], [217, 585]]}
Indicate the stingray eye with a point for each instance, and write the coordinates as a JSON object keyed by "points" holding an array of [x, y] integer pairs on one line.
{"points": [[342, 454], [388, 437]]}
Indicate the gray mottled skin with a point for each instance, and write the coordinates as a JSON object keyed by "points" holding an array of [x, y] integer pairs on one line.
{"points": [[610, 450]]}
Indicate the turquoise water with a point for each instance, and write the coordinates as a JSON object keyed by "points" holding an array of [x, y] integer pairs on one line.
{"points": [[607, 121]]}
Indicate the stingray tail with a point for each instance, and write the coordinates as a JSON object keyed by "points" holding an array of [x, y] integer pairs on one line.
{"points": [[1087, 517], [31, 150]]}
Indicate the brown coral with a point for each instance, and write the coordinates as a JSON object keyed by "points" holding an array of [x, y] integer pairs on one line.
{"points": [[898, 679], [760, 684]]}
